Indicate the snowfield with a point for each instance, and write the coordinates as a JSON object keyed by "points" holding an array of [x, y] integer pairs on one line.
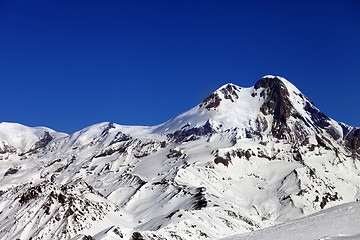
{"points": [[336, 223], [243, 160]]}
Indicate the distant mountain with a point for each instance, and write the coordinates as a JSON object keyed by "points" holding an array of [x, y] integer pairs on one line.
{"points": [[242, 160]]}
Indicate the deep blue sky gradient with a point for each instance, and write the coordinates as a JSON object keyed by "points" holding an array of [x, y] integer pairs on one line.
{"points": [[69, 64]]}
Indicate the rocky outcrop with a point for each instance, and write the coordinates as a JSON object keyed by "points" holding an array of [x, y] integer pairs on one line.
{"points": [[277, 104], [188, 133], [212, 101], [352, 140], [229, 92]]}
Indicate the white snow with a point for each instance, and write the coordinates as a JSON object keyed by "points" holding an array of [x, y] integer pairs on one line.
{"points": [[150, 183], [229, 115], [22, 137], [340, 222]]}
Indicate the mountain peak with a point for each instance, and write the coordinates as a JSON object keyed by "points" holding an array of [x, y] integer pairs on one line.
{"points": [[277, 102], [227, 92], [273, 107], [270, 81], [274, 85]]}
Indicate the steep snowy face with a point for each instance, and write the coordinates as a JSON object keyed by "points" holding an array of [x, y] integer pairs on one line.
{"points": [[20, 139], [337, 223], [295, 117], [241, 160]]}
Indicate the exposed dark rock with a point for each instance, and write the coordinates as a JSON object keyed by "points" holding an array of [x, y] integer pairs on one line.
{"points": [[212, 101], [106, 152], [240, 217], [119, 149], [163, 144], [238, 153], [141, 155], [30, 194], [333, 132], [262, 155], [68, 212], [328, 198], [46, 208], [43, 141], [352, 140], [11, 171], [297, 156], [120, 137], [229, 92], [222, 160], [137, 236], [173, 153], [7, 149], [276, 103], [87, 237], [322, 142], [255, 132], [107, 129], [202, 234], [61, 198], [162, 182], [199, 199], [250, 133], [55, 161], [261, 124], [53, 177], [300, 134], [346, 129], [302, 192], [247, 154], [118, 232], [188, 134], [144, 149], [321, 120], [172, 214]]}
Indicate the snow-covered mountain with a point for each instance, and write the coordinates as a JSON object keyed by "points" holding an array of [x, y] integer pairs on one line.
{"points": [[243, 159]]}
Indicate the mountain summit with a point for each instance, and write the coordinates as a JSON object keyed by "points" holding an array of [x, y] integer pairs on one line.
{"points": [[272, 108], [241, 160]]}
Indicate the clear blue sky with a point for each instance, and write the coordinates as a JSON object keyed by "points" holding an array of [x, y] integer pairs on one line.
{"points": [[69, 64]]}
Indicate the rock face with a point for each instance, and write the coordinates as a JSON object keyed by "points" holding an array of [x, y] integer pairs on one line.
{"points": [[352, 140], [243, 159], [276, 104]]}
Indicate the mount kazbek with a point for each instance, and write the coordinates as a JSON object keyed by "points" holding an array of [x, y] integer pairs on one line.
{"points": [[242, 160]]}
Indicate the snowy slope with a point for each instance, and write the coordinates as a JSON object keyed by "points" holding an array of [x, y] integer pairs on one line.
{"points": [[243, 159], [339, 222], [22, 139]]}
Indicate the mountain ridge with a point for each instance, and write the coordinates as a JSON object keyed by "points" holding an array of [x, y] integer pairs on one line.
{"points": [[241, 160]]}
